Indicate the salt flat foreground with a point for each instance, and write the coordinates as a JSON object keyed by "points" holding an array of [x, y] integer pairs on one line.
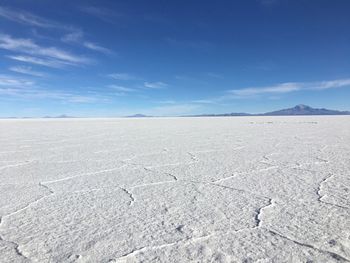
{"points": [[250, 189]]}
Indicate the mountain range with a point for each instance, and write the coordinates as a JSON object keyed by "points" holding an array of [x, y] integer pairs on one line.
{"points": [[298, 110]]}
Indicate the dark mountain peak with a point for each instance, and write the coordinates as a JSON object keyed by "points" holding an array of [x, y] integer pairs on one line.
{"points": [[138, 115], [62, 116], [302, 109]]}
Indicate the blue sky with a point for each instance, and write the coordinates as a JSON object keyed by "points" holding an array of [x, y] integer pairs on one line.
{"points": [[115, 58]]}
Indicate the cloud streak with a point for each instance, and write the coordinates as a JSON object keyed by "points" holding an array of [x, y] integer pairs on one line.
{"points": [[74, 35], [27, 71], [78, 38], [39, 61], [274, 90], [29, 19], [26, 89], [121, 88], [96, 47], [155, 85], [10, 81], [28, 46], [290, 87], [26, 18], [121, 76], [280, 88]]}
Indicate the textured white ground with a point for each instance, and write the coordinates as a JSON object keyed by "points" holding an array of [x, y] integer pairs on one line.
{"points": [[244, 189]]}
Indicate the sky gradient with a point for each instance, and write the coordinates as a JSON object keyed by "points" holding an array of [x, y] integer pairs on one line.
{"points": [[168, 58]]}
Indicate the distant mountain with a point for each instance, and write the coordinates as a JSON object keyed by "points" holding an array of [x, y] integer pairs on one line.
{"points": [[63, 116], [305, 110], [298, 110], [221, 115], [137, 116]]}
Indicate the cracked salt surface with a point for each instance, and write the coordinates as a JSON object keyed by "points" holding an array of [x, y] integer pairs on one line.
{"points": [[175, 190]]}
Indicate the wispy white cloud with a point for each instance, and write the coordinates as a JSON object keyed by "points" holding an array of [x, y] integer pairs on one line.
{"points": [[121, 88], [273, 91], [290, 87], [39, 61], [331, 84], [30, 47], [27, 18], [208, 101], [77, 37], [10, 81], [121, 76], [96, 47], [7, 42], [280, 88], [73, 37], [27, 89], [27, 70], [74, 34], [155, 85], [148, 85]]}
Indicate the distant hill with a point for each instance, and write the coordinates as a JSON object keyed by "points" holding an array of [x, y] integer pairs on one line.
{"points": [[63, 116], [298, 110], [221, 115], [137, 116], [305, 110]]}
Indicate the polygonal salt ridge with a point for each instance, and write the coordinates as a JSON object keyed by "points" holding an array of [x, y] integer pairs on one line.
{"points": [[333, 191], [241, 246], [106, 179], [306, 225], [168, 193], [12, 245], [294, 183]]}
